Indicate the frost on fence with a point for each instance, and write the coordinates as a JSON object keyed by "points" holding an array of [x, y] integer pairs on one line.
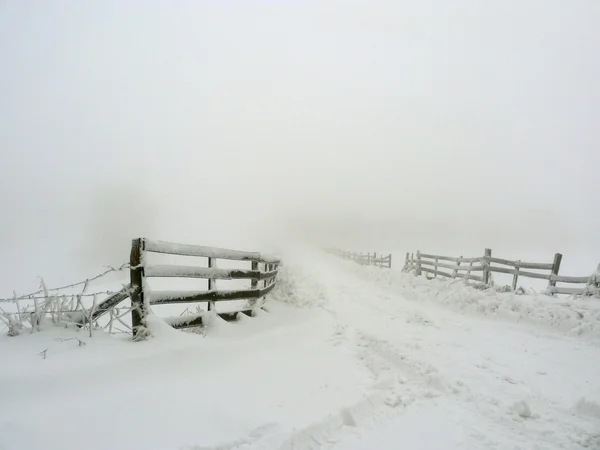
{"points": [[29, 313], [434, 265], [43, 291], [171, 248]]}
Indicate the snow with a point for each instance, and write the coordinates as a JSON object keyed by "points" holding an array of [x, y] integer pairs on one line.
{"points": [[197, 250], [347, 357]]}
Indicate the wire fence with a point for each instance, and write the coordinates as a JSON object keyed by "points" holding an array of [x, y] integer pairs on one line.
{"points": [[65, 307], [43, 292]]}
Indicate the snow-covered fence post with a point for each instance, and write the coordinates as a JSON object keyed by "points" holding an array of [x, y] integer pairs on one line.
{"points": [[486, 266], [138, 309], [468, 274], [515, 277], [418, 272], [554, 271], [254, 282], [455, 271], [211, 283]]}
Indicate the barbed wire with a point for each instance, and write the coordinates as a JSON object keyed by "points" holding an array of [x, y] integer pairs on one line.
{"points": [[36, 295], [43, 297]]}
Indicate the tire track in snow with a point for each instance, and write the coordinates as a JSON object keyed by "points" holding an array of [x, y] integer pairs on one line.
{"points": [[396, 386]]}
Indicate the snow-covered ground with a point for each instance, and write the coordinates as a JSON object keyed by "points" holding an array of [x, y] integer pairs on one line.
{"points": [[347, 357]]}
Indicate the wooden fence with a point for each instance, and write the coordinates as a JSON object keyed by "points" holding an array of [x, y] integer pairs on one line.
{"points": [[364, 258], [480, 269], [262, 273]]}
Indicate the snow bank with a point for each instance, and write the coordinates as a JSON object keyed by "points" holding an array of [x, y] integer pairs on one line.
{"points": [[575, 316], [297, 286]]}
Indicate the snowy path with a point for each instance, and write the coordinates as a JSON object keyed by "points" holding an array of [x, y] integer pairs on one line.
{"points": [[483, 375], [361, 359]]}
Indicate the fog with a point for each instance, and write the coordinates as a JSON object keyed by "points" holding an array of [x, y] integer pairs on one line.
{"points": [[383, 125]]}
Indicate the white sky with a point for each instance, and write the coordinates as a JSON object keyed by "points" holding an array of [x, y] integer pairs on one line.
{"points": [[432, 125]]}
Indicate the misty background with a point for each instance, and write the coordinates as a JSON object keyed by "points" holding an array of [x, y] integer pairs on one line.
{"points": [[387, 126]]}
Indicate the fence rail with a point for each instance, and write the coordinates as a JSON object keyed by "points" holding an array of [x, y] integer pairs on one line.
{"points": [[264, 270], [364, 258], [487, 265]]}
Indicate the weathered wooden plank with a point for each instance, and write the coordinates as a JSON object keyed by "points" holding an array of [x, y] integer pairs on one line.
{"points": [[541, 276], [520, 264], [566, 279], [471, 268], [233, 315], [442, 258], [172, 248], [451, 258], [269, 275], [467, 276], [472, 260], [109, 302], [453, 266], [196, 320], [439, 264], [436, 272], [206, 272], [589, 290], [170, 297]]}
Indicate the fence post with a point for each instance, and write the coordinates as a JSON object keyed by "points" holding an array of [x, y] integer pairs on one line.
{"points": [[264, 284], [211, 283], [418, 263], [136, 271], [455, 271], [486, 266], [555, 269], [467, 276], [253, 285], [254, 282], [436, 268], [515, 277], [390, 262]]}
